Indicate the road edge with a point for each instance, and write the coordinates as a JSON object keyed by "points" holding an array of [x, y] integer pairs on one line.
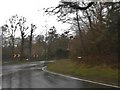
{"points": [[85, 80]]}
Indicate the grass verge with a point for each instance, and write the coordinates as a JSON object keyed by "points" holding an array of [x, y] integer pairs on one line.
{"points": [[99, 73]]}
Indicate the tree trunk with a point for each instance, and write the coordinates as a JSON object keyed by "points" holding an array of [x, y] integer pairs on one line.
{"points": [[22, 47], [30, 44], [13, 44], [80, 34]]}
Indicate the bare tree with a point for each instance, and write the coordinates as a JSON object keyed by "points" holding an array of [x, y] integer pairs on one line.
{"points": [[33, 27], [63, 11], [10, 28], [23, 30], [65, 8]]}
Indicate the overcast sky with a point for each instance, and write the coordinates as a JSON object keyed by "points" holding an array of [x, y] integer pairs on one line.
{"points": [[32, 10]]}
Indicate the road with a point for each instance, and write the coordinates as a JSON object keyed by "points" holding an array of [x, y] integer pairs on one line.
{"points": [[31, 76]]}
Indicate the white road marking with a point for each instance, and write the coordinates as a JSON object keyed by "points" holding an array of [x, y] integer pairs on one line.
{"points": [[33, 64], [44, 69], [34, 68]]}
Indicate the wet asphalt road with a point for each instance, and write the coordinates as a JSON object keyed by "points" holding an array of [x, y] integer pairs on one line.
{"points": [[32, 76]]}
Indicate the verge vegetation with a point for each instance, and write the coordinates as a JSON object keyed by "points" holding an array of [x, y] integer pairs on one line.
{"points": [[100, 73]]}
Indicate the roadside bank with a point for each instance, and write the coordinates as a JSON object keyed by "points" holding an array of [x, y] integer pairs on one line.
{"points": [[99, 73]]}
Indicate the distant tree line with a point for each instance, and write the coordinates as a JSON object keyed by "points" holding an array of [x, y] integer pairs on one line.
{"points": [[16, 24], [30, 46]]}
